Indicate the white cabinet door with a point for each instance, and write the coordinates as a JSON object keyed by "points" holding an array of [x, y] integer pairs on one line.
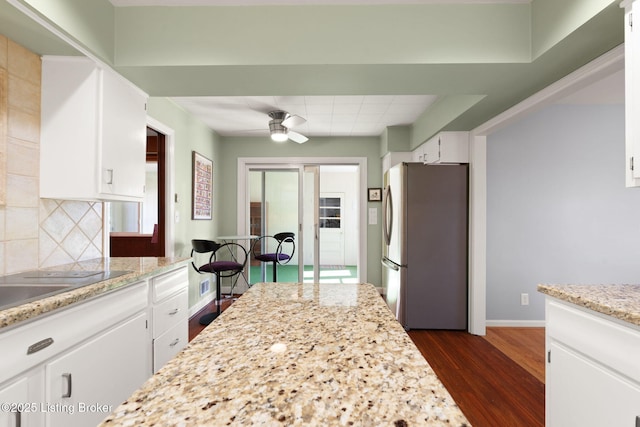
{"points": [[581, 392], [69, 124], [417, 155], [14, 397], [447, 147], [632, 92], [123, 138], [89, 381]]}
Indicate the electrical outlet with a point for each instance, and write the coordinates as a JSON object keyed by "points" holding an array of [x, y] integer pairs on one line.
{"points": [[204, 287], [524, 299]]}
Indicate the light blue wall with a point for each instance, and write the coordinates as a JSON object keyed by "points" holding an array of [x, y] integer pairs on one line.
{"points": [[557, 208]]}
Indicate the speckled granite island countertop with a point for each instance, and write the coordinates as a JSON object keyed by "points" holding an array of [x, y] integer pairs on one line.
{"points": [[139, 269], [296, 354], [619, 301]]}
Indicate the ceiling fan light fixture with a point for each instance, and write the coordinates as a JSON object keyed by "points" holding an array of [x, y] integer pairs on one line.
{"points": [[279, 136], [278, 132]]}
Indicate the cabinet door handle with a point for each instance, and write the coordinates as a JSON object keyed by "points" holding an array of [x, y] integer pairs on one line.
{"points": [[108, 177], [638, 421], [18, 419], [67, 377], [174, 312], [175, 342]]}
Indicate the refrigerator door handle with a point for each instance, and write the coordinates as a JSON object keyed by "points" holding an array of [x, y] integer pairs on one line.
{"points": [[387, 215], [390, 264]]}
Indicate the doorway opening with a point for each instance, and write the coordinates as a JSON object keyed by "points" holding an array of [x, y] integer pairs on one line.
{"points": [[138, 229], [320, 200]]}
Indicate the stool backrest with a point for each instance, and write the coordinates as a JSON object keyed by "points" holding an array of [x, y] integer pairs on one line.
{"points": [[204, 246], [284, 236]]}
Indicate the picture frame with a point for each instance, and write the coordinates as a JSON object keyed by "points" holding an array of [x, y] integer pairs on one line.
{"points": [[375, 194], [202, 189]]}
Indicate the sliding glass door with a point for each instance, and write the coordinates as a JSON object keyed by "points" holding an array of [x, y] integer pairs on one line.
{"points": [[321, 204]]}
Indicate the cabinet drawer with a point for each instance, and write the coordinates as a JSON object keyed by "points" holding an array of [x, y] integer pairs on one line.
{"points": [[612, 344], [169, 312], [169, 283], [167, 345]]}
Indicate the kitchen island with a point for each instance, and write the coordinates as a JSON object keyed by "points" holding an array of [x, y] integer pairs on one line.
{"points": [[296, 354], [592, 345]]}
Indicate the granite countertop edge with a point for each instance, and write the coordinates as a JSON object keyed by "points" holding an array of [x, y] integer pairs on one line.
{"points": [[140, 268], [621, 302]]}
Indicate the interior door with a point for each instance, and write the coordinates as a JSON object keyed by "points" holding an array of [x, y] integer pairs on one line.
{"points": [[331, 229]]}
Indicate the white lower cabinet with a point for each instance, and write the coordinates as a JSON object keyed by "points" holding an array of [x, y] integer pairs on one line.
{"points": [[592, 369], [581, 392], [170, 323], [87, 383], [75, 366]]}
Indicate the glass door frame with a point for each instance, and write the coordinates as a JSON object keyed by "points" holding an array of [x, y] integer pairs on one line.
{"points": [[245, 164]]}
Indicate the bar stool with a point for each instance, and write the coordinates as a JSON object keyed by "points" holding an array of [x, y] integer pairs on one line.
{"points": [[283, 253], [221, 268]]}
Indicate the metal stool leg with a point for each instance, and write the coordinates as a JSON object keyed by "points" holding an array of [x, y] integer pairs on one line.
{"points": [[210, 317]]}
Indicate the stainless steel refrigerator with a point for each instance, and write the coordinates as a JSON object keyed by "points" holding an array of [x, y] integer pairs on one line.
{"points": [[425, 244]]}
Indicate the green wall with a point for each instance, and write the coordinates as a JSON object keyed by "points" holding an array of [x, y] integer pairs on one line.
{"points": [[190, 135]]}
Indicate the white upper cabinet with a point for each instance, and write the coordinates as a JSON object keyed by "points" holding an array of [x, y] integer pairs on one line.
{"points": [[93, 134], [632, 91], [447, 147]]}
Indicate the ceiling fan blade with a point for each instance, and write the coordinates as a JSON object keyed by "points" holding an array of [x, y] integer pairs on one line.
{"points": [[297, 137], [292, 121]]}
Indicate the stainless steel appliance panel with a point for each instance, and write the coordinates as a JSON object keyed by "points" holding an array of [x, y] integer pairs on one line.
{"points": [[425, 221]]}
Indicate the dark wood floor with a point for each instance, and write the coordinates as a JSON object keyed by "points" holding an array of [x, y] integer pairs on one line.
{"points": [[490, 387], [497, 380]]}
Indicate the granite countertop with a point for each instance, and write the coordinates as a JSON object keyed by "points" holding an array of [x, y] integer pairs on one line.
{"points": [[619, 301], [139, 268], [296, 354]]}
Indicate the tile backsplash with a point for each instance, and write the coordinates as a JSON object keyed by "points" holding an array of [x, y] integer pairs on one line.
{"points": [[34, 232]]}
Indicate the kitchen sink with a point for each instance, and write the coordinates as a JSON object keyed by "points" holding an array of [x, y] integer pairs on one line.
{"points": [[11, 295], [29, 286]]}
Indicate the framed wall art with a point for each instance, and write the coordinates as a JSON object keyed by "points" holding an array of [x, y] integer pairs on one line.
{"points": [[375, 194], [202, 195]]}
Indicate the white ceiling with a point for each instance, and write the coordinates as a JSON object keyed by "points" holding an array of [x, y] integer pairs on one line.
{"points": [[326, 115]]}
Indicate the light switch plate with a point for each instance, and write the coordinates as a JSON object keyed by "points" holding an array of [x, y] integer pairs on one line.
{"points": [[373, 216]]}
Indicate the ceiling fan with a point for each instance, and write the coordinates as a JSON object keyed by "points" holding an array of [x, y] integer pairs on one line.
{"points": [[280, 127]]}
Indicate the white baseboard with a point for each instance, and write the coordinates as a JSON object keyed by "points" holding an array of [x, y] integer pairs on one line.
{"points": [[517, 323], [202, 303]]}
